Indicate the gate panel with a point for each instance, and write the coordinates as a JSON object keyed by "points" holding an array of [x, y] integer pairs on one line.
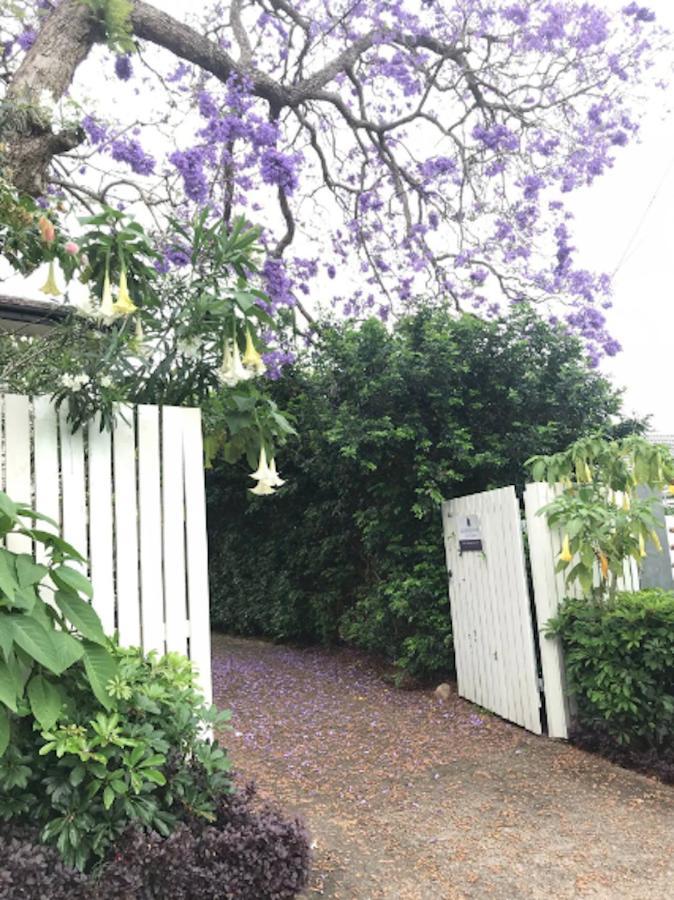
{"points": [[491, 615]]}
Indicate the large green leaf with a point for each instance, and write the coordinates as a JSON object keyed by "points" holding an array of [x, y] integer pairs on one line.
{"points": [[53, 540], [25, 598], [8, 582], [32, 637], [20, 666], [45, 700], [6, 633], [101, 668], [80, 614], [68, 650], [7, 506], [28, 572], [4, 730], [7, 687], [68, 578]]}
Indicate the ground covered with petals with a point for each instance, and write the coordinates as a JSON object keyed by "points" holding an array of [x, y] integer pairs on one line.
{"points": [[409, 797]]}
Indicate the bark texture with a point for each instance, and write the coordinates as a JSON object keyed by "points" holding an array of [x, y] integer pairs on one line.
{"points": [[63, 43]]}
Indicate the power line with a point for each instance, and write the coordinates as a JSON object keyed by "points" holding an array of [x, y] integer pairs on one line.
{"points": [[644, 217]]}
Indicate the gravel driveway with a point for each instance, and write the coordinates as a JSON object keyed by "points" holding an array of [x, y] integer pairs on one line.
{"points": [[411, 798]]}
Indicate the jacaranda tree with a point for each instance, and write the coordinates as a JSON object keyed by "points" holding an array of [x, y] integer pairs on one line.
{"points": [[389, 147]]}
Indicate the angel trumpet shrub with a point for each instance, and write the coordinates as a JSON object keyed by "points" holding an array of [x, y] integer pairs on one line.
{"points": [[50, 286], [124, 305]]}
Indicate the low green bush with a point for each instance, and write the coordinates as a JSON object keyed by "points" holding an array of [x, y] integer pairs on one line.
{"points": [[619, 658]]}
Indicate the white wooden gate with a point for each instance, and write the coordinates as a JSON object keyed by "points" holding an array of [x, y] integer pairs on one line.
{"points": [[131, 501], [495, 638], [491, 615]]}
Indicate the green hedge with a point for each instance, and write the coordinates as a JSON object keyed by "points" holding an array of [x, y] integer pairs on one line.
{"points": [[620, 665], [389, 423]]}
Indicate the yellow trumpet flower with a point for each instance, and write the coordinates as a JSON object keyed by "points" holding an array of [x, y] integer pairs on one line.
{"points": [[626, 502], [642, 546], [656, 540], [670, 488], [124, 305], [603, 563], [251, 358], [565, 555], [50, 286]]}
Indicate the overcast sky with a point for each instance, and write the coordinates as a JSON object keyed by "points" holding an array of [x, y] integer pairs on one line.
{"points": [[625, 221], [619, 212]]}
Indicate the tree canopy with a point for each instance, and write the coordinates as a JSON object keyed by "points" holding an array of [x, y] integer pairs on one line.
{"points": [[390, 149]]}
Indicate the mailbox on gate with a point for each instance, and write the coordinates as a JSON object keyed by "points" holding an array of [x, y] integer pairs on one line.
{"points": [[470, 535]]}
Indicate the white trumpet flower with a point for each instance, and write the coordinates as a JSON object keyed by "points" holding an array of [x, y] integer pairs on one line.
{"points": [[266, 476], [232, 370]]}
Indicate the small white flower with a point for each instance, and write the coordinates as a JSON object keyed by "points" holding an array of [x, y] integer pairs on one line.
{"points": [[75, 382], [106, 381], [190, 347]]}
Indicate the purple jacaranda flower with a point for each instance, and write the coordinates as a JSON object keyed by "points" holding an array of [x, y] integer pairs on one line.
{"points": [[123, 67], [27, 38], [129, 151]]}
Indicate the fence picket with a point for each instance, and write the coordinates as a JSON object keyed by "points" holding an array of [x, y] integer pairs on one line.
{"points": [[126, 527], [175, 600], [150, 530], [101, 528], [73, 486], [17, 462], [196, 541]]}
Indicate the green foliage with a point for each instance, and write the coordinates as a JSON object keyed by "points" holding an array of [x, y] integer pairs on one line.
{"points": [[115, 16], [39, 640], [389, 424], [603, 522], [619, 660], [92, 738], [84, 774]]}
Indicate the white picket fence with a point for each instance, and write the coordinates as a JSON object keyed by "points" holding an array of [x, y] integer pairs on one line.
{"points": [[132, 501], [497, 646]]}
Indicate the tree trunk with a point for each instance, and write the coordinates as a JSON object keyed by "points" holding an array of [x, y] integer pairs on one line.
{"points": [[62, 44]]}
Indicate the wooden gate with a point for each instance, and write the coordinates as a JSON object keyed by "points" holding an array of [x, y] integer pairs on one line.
{"points": [[131, 501], [491, 614]]}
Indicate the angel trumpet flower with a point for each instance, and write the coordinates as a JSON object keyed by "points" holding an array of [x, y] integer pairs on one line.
{"points": [[266, 475], [232, 370], [565, 555], [251, 358], [642, 547], [50, 286], [276, 481], [124, 306], [107, 307]]}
